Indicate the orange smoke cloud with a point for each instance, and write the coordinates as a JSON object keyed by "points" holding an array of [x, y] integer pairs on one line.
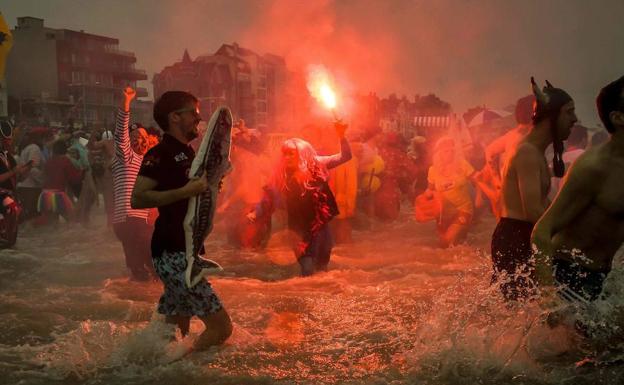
{"points": [[308, 33]]}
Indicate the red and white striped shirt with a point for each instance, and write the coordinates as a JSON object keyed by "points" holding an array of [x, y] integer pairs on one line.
{"points": [[126, 165]]}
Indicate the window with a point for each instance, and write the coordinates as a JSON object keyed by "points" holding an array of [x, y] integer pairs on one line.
{"points": [[75, 77], [262, 106]]}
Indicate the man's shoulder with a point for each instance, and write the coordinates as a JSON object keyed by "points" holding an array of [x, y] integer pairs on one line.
{"points": [[592, 157], [590, 165], [525, 152], [157, 150], [156, 156], [527, 148]]}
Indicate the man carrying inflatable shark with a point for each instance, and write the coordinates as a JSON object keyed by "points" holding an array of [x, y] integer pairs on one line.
{"points": [[164, 182]]}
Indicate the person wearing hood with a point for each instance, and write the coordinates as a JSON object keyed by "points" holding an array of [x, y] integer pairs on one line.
{"points": [[525, 187]]}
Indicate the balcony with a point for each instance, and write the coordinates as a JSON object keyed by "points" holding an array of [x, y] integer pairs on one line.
{"points": [[117, 51], [130, 73]]}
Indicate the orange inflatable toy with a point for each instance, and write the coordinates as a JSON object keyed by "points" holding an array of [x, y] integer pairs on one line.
{"points": [[427, 208]]}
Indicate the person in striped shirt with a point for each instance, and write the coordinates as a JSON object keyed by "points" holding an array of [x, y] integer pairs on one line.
{"points": [[130, 225]]}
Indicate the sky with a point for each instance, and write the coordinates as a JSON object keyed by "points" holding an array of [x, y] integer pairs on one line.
{"points": [[468, 52]]}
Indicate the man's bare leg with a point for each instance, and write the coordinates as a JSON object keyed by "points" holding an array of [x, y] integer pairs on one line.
{"points": [[182, 322], [178, 349], [218, 329], [456, 233]]}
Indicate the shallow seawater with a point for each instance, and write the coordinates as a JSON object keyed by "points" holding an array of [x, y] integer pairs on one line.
{"points": [[393, 309]]}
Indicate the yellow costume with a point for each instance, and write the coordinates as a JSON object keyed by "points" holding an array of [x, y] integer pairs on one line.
{"points": [[6, 42], [344, 184], [369, 175]]}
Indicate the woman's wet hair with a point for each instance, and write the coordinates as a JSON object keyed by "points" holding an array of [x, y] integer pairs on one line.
{"points": [[610, 99], [310, 169], [167, 103]]}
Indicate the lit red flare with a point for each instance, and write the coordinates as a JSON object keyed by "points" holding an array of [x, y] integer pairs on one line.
{"points": [[320, 87]]}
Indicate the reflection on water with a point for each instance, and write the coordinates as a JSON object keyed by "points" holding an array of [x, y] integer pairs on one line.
{"points": [[392, 309]]}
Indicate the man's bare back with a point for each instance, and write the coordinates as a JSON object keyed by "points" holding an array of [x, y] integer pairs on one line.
{"points": [[586, 218]]}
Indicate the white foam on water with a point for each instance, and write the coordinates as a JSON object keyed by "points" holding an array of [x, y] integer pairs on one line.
{"points": [[392, 309]]}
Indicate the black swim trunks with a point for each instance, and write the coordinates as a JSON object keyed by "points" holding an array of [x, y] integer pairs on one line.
{"points": [[511, 255], [582, 281]]}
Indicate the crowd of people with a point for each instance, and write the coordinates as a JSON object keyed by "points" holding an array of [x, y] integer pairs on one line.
{"points": [[558, 222], [60, 173]]}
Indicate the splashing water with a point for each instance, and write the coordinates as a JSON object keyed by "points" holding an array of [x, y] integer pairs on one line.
{"points": [[392, 309]]}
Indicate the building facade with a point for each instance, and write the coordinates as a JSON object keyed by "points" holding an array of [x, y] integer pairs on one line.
{"points": [[60, 77], [254, 86]]}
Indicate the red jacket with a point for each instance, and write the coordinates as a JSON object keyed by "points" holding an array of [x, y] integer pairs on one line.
{"points": [[59, 172]]}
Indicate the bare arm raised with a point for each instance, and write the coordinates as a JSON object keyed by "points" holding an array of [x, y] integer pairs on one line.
{"points": [[579, 189], [123, 151], [332, 161]]}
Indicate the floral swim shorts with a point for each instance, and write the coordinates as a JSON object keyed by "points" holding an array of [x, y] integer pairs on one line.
{"points": [[178, 299]]}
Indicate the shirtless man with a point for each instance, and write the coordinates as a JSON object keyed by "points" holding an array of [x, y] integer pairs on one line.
{"points": [[579, 234], [497, 153], [526, 182]]}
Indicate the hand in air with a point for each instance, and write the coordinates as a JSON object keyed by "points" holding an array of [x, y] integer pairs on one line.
{"points": [[196, 186], [251, 216], [340, 128], [129, 93]]}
